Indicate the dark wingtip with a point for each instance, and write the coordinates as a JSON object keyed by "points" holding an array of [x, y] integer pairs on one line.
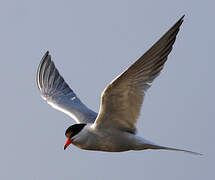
{"points": [[47, 53], [45, 56], [181, 19]]}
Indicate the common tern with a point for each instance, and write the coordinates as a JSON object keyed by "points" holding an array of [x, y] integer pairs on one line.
{"points": [[113, 129]]}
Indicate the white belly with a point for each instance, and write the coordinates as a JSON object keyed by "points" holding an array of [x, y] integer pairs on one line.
{"points": [[110, 140]]}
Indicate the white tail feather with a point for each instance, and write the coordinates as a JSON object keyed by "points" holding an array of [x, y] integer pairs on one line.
{"points": [[153, 146]]}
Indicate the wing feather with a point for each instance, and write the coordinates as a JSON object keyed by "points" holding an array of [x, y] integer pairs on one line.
{"points": [[59, 95], [122, 99]]}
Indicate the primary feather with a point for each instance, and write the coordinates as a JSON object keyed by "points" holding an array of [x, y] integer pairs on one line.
{"points": [[59, 95]]}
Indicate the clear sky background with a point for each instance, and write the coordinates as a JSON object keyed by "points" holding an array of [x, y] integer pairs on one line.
{"points": [[91, 42]]}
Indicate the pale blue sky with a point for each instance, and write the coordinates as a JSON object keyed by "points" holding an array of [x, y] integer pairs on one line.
{"points": [[91, 42]]}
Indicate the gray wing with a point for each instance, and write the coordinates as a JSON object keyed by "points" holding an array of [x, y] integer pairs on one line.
{"points": [[59, 95], [122, 99]]}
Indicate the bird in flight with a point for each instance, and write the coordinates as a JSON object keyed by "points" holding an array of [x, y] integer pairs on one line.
{"points": [[113, 129]]}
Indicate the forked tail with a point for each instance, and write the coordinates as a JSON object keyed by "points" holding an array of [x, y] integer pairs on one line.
{"points": [[153, 146]]}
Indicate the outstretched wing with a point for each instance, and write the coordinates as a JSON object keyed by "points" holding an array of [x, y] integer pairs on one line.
{"points": [[59, 95], [122, 99]]}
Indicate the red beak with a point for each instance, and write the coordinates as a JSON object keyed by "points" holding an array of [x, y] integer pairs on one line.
{"points": [[68, 142]]}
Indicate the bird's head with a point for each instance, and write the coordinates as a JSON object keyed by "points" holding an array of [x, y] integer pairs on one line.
{"points": [[71, 132]]}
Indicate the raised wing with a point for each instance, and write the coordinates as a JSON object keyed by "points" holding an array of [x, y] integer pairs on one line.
{"points": [[122, 99], [58, 94]]}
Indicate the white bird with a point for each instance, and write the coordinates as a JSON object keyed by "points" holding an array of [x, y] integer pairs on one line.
{"points": [[113, 129]]}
